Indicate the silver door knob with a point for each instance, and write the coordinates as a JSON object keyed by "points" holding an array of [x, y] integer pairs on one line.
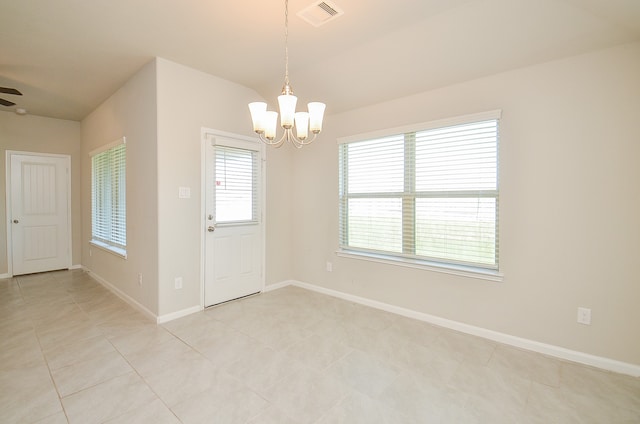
{"points": [[15, 221], [211, 228]]}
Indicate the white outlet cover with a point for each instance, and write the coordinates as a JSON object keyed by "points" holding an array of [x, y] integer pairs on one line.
{"points": [[584, 316]]}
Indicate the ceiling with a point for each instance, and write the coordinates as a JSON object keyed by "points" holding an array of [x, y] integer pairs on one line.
{"points": [[68, 56]]}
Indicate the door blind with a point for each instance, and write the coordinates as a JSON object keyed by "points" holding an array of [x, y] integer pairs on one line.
{"points": [[236, 185]]}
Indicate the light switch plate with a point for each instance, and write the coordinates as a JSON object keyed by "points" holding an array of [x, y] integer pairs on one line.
{"points": [[184, 192]]}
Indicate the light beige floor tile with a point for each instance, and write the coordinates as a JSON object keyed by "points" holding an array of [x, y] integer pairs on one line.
{"points": [[82, 350], [534, 366], [27, 395], [463, 347], [190, 374], [290, 356], [493, 395], [142, 340], [59, 418], [414, 331], [262, 368], [224, 347], [374, 319], [157, 357], [420, 400], [317, 351], [119, 312], [272, 415], [364, 373], [66, 332], [50, 314], [155, 412], [548, 405], [386, 345], [620, 391], [429, 364], [108, 400], [358, 408], [126, 324], [306, 395], [195, 329], [229, 407], [21, 350], [81, 375], [282, 335]]}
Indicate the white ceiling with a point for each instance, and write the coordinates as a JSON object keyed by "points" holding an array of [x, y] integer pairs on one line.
{"points": [[67, 56]]}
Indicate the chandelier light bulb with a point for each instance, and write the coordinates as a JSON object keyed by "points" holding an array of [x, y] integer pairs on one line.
{"points": [[302, 125], [258, 110], [287, 103]]}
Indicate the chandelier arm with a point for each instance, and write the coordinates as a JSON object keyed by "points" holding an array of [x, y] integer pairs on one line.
{"points": [[274, 143], [299, 143]]}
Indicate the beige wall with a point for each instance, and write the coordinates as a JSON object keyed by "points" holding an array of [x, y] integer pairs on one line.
{"points": [[569, 206], [189, 100], [42, 135], [130, 112]]}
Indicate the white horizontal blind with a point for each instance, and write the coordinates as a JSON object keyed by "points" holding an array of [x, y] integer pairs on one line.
{"points": [[236, 185], [428, 195], [108, 197]]}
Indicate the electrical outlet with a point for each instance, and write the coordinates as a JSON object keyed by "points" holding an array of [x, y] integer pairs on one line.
{"points": [[584, 316], [329, 266], [178, 283], [140, 279]]}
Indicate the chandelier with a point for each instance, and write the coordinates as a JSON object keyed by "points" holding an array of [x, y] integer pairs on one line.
{"points": [[265, 122]]}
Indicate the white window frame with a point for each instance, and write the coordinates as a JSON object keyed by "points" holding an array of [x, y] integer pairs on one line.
{"points": [[107, 242], [491, 273]]}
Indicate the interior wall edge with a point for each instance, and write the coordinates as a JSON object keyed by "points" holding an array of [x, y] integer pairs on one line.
{"points": [[128, 299]]}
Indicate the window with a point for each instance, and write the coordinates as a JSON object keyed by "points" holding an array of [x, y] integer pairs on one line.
{"points": [[236, 185], [427, 194], [108, 197]]}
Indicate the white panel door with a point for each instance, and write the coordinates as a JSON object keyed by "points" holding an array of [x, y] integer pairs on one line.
{"points": [[39, 217], [234, 247]]}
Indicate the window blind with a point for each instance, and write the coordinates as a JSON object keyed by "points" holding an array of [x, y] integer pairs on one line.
{"points": [[108, 196], [236, 185], [428, 194]]}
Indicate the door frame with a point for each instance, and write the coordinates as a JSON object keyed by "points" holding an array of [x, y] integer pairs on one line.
{"points": [[207, 136], [8, 205]]}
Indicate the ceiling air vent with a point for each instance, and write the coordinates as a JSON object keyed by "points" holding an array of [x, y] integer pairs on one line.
{"points": [[319, 13]]}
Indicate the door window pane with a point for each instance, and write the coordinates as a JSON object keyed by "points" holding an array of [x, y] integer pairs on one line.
{"points": [[236, 181]]}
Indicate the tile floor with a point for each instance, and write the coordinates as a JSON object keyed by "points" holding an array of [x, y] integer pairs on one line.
{"points": [[72, 352]]}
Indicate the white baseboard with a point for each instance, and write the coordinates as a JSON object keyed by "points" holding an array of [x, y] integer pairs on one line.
{"points": [[543, 348], [178, 314], [76, 267], [122, 295], [5, 276], [276, 286]]}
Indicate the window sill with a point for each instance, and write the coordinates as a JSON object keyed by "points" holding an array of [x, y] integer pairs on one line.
{"points": [[463, 271], [122, 253]]}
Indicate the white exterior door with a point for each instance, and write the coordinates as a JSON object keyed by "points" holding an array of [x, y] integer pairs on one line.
{"points": [[39, 217], [234, 236]]}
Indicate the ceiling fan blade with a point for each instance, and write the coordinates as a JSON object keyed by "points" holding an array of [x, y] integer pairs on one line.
{"points": [[6, 90], [4, 102]]}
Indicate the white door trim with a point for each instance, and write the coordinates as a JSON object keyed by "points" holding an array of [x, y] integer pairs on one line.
{"points": [[8, 211], [207, 134]]}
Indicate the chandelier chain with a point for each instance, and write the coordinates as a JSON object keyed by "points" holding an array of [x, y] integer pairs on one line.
{"points": [[286, 43]]}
